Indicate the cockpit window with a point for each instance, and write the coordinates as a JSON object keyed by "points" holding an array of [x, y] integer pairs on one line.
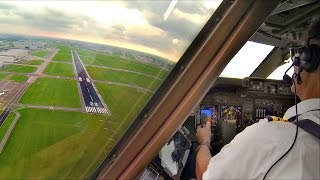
{"points": [[75, 74], [279, 72], [246, 60]]}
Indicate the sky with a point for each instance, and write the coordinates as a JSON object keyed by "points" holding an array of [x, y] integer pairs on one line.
{"points": [[164, 28], [279, 72], [247, 60]]}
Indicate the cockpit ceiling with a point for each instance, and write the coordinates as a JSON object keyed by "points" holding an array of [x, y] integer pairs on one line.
{"points": [[288, 23]]}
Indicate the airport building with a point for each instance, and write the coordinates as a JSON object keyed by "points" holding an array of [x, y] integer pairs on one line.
{"points": [[13, 55], [29, 45]]}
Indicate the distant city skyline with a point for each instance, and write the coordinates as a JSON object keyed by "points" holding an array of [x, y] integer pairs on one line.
{"points": [[150, 27]]}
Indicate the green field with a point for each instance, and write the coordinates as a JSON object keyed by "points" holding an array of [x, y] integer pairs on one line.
{"points": [[35, 62], [54, 145], [64, 48], [52, 92], [62, 145], [4, 127], [18, 68], [66, 57], [19, 78], [100, 59], [59, 69], [39, 53], [64, 54], [2, 75], [125, 103], [123, 77]]}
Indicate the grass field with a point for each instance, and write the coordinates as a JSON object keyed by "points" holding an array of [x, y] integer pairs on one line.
{"points": [[39, 53], [59, 69], [54, 145], [125, 103], [100, 59], [62, 145], [52, 92], [4, 127], [64, 54], [35, 62], [19, 78], [123, 77], [3, 75], [66, 57], [64, 48], [19, 68]]}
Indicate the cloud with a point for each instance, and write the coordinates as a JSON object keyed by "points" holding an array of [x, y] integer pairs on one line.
{"points": [[175, 41], [184, 22], [46, 19], [192, 7], [193, 18], [6, 7], [128, 23]]}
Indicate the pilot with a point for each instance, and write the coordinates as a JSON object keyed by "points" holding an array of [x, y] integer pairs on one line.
{"points": [[273, 150]]}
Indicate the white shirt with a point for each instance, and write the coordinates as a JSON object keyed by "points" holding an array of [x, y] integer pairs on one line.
{"points": [[252, 152]]}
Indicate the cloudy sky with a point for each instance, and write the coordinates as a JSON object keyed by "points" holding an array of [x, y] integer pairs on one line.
{"points": [[165, 28]]}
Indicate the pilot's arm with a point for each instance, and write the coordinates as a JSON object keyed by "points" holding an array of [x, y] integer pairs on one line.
{"points": [[203, 155]]}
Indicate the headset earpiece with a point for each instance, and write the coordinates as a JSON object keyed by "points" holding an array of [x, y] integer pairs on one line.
{"points": [[306, 58]]}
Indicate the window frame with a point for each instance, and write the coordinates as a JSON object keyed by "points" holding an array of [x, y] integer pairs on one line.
{"points": [[222, 37]]}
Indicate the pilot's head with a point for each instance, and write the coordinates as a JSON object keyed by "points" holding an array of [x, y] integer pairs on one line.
{"points": [[307, 64]]}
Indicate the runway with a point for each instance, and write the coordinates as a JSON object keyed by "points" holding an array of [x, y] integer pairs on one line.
{"points": [[92, 101]]}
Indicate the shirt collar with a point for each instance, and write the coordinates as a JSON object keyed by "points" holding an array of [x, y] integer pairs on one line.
{"points": [[303, 106]]}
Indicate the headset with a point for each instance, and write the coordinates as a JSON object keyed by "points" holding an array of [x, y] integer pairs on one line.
{"points": [[306, 58]]}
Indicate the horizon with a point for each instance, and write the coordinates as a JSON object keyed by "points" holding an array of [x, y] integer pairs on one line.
{"points": [[160, 28], [58, 38]]}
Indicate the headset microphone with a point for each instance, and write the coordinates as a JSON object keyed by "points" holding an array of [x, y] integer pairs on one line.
{"points": [[286, 78]]}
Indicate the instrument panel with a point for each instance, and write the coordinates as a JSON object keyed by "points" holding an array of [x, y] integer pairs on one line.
{"points": [[231, 105], [266, 86]]}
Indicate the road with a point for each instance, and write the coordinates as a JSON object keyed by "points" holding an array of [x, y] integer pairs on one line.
{"points": [[7, 110], [42, 67], [30, 80], [4, 115], [93, 103], [4, 140]]}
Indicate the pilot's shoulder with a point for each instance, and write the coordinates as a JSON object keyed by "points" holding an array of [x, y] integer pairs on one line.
{"points": [[256, 146], [265, 131]]}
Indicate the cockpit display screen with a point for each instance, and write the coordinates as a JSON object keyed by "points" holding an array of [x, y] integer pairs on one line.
{"points": [[232, 114], [208, 113]]}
